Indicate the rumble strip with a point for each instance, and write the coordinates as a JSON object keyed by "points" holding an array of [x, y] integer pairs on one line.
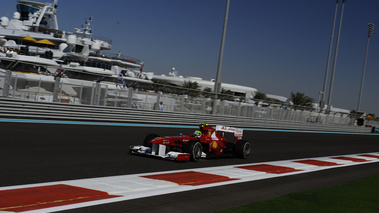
{"points": [[63, 195]]}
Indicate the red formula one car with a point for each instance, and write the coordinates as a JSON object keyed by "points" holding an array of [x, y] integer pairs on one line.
{"points": [[206, 142]]}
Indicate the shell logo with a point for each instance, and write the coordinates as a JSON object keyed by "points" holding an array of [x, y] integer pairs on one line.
{"points": [[214, 145]]}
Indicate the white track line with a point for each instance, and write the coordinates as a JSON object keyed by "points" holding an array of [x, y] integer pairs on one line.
{"points": [[135, 186]]}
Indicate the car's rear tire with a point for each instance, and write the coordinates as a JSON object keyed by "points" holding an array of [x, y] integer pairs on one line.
{"points": [[242, 149], [148, 138], [195, 150]]}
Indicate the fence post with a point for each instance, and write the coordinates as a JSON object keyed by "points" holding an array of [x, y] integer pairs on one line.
{"points": [[191, 107], [60, 92], [204, 105], [155, 107], [56, 88], [280, 111], [239, 112], [38, 90], [130, 97], [81, 94], [117, 93], [98, 88], [7, 81], [221, 107], [105, 95], [15, 86], [92, 94], [182, 103]]}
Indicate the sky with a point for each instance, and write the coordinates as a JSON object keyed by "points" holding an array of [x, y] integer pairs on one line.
{"points": [[275, 46]]}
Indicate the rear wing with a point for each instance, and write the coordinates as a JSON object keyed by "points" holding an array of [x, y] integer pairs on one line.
{"points": [[237, 131]]}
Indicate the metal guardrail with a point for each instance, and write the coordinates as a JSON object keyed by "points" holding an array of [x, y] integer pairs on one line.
{"points": [[21, 109]]}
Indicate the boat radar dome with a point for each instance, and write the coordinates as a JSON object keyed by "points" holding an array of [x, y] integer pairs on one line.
{"points": [[16, 15], [96, 45], [71, 39], [4, 21], [2, 41], [62, 46]]}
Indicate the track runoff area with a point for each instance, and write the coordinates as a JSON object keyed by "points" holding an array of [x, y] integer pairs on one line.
{"points": [[65, 195]]}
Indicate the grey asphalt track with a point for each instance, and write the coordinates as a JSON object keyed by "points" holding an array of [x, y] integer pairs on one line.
{"points": [[35, 153]]}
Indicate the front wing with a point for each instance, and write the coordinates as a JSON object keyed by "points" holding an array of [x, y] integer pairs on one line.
{"points": [[159, 150]]}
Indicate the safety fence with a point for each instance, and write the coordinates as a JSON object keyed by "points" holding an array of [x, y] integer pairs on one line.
{"points": [[20, 109], [148, 97]]}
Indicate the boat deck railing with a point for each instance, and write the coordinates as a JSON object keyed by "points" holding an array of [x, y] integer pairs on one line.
{"points": [[118, 56]]}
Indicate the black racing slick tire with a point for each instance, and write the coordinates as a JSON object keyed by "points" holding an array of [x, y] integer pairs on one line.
{"points": [[195, 150], [242, 149], [148, 138]]}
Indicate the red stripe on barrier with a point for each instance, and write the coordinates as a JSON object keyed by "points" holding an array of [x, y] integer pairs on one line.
{"points": [[269, 168], [350, 159], [33, 198], [317, 162], [190, 178], [370, 156]]}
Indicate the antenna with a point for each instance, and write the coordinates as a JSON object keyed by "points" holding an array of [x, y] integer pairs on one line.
{"points": [[173, 72], [55, 4], [86, 29]]}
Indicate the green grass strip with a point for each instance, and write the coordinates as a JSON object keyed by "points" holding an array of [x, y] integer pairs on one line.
{"points": [[361, 195]]}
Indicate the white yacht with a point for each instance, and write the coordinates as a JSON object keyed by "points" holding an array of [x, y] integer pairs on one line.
{"points": [[237, 90], [33, 48]]}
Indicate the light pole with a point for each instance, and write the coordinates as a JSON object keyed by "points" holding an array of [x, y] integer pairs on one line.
{"points": [[217, 87], [335, 60], [370, 32], [323, 92]]}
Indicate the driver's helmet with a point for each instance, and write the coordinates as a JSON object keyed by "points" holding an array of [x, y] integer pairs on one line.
{"points": [[197, 134]]}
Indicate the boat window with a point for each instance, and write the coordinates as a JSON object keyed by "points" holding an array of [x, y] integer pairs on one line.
{"points": [[44, 22], [97, 64], [78, 48], [240, 94], [24, 11]]}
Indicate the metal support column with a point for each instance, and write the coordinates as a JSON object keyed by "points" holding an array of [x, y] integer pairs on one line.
{"points": [[323, 92], [217, 87], [335, 60], [370, 32]]}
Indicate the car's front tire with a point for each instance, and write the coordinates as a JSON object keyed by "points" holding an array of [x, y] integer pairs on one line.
{"points": [[195, 150], [148, 138]]}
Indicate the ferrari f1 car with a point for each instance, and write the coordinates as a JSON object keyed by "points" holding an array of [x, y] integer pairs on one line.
{"points": [[206, 142]]}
